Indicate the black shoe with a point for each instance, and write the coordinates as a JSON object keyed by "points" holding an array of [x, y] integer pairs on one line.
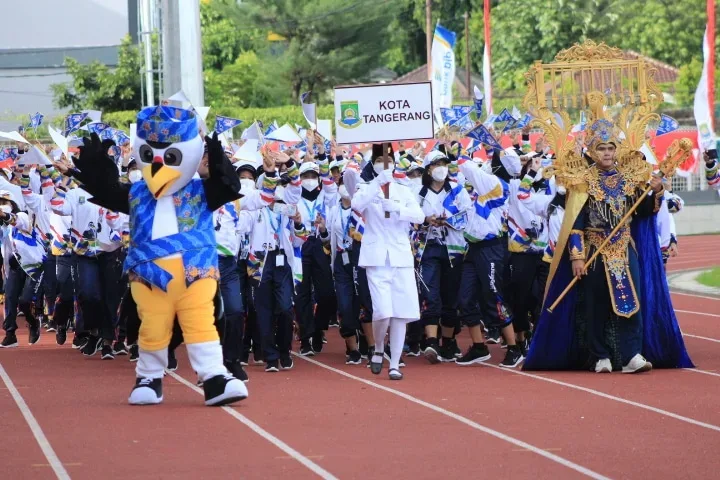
{"points": [[51, 327], [513, 357], [317, 342], [107, 353], [93, 345], [353, 358], [237, 371], [258, 356], [134, 353], [286, 363], [223, 390], [525, 346], [306, 349], [33, 334], [172, 361], [147, 391], [334, 323], [414, 350], [493, 336], [272, 366], [477, 353], [61, 336], [119, 348], [375, 366], [244, 359], [79, 341], [10, 341], [432, 351]]}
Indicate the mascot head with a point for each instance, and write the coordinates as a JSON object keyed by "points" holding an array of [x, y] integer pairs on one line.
{"points": [[168, 148]]}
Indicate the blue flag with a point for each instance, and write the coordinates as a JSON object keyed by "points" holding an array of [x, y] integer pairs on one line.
{"points": [[36, 120], [270, 129], [120, 138], [667, 125], [223, 124], [72, 122], [107, 133], [462, 110], [524, 121], [504, 116], [483, 135], [97, 127], [449, 116], [478, 107]]}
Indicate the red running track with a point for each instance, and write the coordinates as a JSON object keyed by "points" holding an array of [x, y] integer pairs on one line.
{"points": [[66, 416]]}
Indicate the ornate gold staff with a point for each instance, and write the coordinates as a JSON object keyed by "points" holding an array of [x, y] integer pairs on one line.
{"points": [[678, 152]]}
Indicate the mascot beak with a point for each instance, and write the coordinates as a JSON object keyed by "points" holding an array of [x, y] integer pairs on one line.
{"points": [[159, 177]]}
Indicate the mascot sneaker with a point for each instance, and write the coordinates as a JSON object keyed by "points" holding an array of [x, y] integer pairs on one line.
{"points": [[637, 364], [224, 390], [147, 391]]}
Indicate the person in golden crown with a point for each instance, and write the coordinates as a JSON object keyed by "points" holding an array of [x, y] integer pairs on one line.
{"points": [[619, 316]]}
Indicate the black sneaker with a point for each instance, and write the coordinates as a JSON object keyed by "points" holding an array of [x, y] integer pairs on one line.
{"points": [[477, 353], [134, 353], [223, 389], [79, 341], [172, 361], [237, 371], [363, 346], [10, 341], [147, 391], [61, 336], [119, 348], [317, 342], [272, 366], [334, 323], [493, 336], [93, 345], [513, 357], [33, 334], [244, 359], [413, 349], [353, 357], [451, 347], [286, 363], [306, 349], [107, 353], [51, 327], [432, 351]]}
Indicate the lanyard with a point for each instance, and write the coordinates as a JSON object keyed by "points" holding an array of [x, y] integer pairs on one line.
{"points": [[310, 212], [275, 226], [346, 226]]}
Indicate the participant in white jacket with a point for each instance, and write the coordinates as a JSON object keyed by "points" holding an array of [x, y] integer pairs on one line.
{"points": [[387, 257]]}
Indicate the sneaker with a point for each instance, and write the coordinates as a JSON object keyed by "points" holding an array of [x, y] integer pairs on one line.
{"points": [[224, 389], [134, 353], [493, 336], [603, 366], [172, 361], [477, 353], [513, 357], [272, 366], [286, 363], [637, 364], [244, 359], [51, 327], [93, 345], [453, 348], [353, 357], [119, 348], [413, 349], [61, 336], [79, 341], [334, 323], [432, 351], [33, 334], [107, 353], [306, 349], [10, 341], [237, 371], [317, 342], [147, 391], [363, 346]]}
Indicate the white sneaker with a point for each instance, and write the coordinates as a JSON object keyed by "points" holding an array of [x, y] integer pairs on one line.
{"points": [[637, 364], [603, 366]]}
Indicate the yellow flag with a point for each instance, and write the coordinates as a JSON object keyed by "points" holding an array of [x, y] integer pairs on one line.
{"points": [[274, 37]]}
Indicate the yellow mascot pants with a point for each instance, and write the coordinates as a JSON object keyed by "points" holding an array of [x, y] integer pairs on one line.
{"points": [[193, 306]]}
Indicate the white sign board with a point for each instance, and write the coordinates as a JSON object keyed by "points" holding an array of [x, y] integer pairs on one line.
{"points": [[383, 113]]}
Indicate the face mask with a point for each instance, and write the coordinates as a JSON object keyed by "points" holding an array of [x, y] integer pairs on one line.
{"points": [[439, 173], [135, 176], [6, 208], [309, 184], [342, 190], [379, 168], [247, 184], [416, 181]]}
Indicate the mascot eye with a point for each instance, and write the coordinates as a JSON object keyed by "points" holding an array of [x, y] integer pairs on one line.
{"points": [[146, 153], [173, 157]]}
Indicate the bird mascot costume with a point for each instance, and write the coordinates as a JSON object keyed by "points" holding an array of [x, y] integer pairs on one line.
{"points": [[172, 260]]}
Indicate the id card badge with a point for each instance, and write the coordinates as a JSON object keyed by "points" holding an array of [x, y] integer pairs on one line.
{"points": [[345, 258], [280, 260]]}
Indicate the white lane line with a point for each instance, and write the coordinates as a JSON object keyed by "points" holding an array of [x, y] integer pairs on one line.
{"points": [[518, 443], [40, 437], [691, 421], [305, 461], [701, 338], [696, 370], [698, 313], [693, 295]]}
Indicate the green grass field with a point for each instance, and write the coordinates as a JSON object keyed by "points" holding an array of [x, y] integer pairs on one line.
{"points": [[711, 278]]}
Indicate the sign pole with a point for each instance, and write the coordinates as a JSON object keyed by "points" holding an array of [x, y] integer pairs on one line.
{"points": [[386, 163]]}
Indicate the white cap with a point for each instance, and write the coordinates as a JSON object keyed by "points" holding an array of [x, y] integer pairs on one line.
{"points": [[433, 157], [309, 166]]}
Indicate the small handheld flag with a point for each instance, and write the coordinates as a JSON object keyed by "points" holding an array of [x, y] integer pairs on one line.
{"points": [[667, 125], [97, 127], [483, 135], [36, 120], [73, 121], [223, 124]]}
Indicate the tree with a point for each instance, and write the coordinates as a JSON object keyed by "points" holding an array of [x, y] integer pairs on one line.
{"points": [[98, 87], [223, 39]]}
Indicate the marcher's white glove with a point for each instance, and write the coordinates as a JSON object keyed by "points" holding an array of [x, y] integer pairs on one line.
{"points": [[385, 176], [390, 205]]}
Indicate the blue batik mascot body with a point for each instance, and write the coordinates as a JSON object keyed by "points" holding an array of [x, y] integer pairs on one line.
{"points": [[172, 261]]}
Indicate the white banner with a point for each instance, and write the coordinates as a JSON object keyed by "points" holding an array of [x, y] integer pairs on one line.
{"points": [[703, 119], [443, 69], [384, 113]]}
